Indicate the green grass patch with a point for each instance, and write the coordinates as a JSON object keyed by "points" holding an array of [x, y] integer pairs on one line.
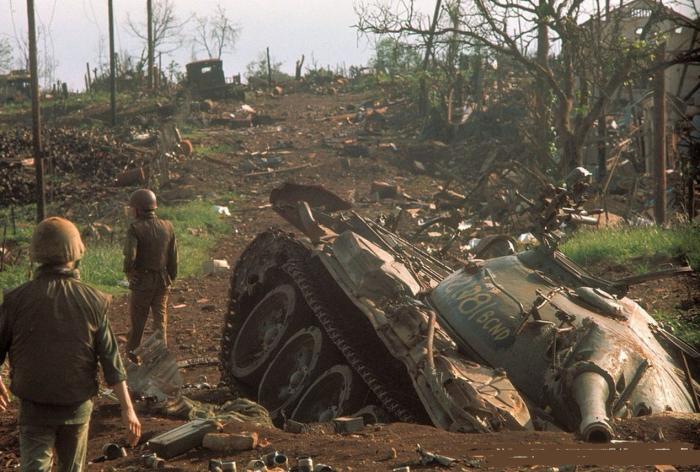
{"points": [[642, 250], [638, 247], [686, 329], [222, 148], [197, 228]]}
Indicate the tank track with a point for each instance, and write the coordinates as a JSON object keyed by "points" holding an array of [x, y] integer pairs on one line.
{"points": [[273, 244], [280, 251], [299, 271]]}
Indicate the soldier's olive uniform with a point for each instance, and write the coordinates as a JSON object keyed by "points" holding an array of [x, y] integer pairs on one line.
{"points": [[55, 329], [150, 262]]}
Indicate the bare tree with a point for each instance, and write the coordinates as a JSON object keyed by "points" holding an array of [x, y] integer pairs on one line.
{"points": [[490, 23], [49, 63], [167, 27], [216, 33]]}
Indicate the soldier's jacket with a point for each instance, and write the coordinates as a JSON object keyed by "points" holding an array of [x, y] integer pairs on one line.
{"points": [[150, 253], [55, 329]]}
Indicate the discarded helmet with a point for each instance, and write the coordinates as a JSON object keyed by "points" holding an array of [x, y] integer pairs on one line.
{"points": [[143, 199], [56, 241]]}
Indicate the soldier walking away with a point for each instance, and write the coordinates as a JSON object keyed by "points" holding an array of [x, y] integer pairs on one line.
{"points": [[55, 330], [150, 264]]}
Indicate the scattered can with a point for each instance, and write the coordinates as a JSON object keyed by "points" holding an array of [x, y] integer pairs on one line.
{"points": [[152, 461], [305, 464], [256, 465], [113, 451], [218, 465], [276, 459]]}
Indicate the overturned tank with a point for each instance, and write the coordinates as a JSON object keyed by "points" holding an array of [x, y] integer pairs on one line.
{"points": [[354, 320]]}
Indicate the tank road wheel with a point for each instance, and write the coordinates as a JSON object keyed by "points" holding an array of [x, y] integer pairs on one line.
{"points": [[265, 308], [262, 331], [292, 369], [329, 396]]}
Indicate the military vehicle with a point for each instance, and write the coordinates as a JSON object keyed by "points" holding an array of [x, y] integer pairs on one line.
{"points": [[352, 319], [15, 86], [205, 79]]}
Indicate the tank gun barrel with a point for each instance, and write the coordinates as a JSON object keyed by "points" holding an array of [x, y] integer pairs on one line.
{"points": [[590, 391]]}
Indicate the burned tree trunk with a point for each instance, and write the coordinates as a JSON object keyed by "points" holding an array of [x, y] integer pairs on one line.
{"points": [[297, 68], [423, 101]]}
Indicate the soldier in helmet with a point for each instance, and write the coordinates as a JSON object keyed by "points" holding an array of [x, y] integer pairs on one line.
{"points": [[150, 264], [55, 330]]}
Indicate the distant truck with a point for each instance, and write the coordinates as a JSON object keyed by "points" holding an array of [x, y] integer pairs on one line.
{"points": [[15, 86], [205, 79]]}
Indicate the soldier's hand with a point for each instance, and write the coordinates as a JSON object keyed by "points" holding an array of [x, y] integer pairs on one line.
{"points": [[4, 396], [133, 426]]}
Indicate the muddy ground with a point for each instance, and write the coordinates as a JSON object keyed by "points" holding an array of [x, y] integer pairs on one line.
{"points": [[311, 131]]}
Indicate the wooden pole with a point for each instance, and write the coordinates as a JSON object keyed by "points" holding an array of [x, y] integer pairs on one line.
{"points": [[112, 66], [269, 69], [36, 116], [89, 79], [149, 19], [660, 137], [602, 147]]}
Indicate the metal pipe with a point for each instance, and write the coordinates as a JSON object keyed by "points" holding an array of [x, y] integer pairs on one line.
{"points": [[590, 391]]}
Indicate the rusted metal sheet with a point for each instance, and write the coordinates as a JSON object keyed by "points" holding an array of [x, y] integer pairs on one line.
{"points": [[158, 374]]}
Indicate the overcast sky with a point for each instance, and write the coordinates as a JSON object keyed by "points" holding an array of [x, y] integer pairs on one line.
{"points": [[322, 28], [76, 31]]}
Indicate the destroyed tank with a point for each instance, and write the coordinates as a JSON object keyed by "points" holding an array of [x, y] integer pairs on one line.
{"points": [[353, 320]]}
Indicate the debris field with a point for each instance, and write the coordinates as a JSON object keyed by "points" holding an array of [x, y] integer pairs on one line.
{"points": [[357, 146]]}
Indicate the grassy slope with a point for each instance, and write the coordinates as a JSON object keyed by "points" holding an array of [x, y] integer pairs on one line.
{"points": [[638, 245], [641, 249], [197, 227]]}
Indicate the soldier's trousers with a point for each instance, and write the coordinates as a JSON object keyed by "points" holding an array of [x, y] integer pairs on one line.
{"points": [[38, 442], [140, 303]]}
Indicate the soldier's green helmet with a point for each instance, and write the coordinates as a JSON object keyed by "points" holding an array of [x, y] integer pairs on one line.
{"points": [[56, 241], [143, 199]]}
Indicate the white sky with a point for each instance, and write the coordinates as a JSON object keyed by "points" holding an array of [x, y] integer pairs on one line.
{"points": [[322, 28], [289, 27]]}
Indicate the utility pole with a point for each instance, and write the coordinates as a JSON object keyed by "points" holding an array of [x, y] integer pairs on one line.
{"points": [[36, 117], [269, 69], [89, 79], [660, 136], [112, 66], [149, 19]]}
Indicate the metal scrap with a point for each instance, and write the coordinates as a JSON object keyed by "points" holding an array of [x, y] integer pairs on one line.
{"points": [[427, 457], [157, 376]]}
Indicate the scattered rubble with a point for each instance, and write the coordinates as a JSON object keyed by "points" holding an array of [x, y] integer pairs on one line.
{"points": [[87, 160], [215, 266]]}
